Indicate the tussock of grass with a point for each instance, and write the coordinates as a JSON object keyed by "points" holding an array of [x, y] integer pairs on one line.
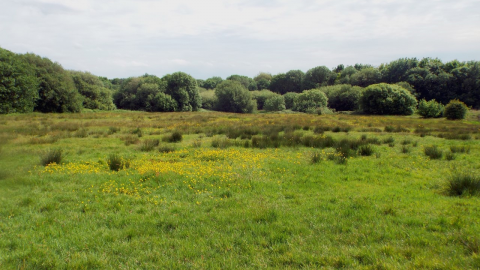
{"points": [[51, 156], [116, 162], [433, 152], [463, 184]]}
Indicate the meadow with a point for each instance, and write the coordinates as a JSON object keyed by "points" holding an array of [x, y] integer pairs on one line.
{"points": [[209, 190]]}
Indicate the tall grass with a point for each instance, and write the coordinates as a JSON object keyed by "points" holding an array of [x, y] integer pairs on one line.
{"points": [[51, 156]]}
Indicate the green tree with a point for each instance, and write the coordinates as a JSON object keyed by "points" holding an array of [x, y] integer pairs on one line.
{"points": [[455, 110], [57, 92], [208, 99], [18, 84], [366, 77], [291, 81], [317, 77], [232, 96], [183, 89], [261, 97], [430, 109], [397, 71], [247, 82], [309, 101], [387, 99], [289, 99], [212, 82], [91, 87], [274, 103], [343, 97]]}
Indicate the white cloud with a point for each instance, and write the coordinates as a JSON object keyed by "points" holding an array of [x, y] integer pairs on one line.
{"points": [[214, 37]]}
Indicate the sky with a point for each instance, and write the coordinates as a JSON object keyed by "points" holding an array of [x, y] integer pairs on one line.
{"points": [[124, 38]]}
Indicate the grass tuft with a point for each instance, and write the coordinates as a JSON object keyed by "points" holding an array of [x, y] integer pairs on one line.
{"points": [[433, 152], [463, 184], [116, 162], [51, 156]]}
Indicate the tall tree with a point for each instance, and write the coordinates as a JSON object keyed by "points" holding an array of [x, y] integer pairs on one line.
{"points": [[318, 76], [183, 88], [18, 84]]}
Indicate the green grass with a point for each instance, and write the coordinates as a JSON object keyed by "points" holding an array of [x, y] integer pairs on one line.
{"points": [[301, 203]]}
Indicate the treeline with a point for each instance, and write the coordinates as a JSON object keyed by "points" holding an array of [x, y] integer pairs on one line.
{"points": [[29, 83]]}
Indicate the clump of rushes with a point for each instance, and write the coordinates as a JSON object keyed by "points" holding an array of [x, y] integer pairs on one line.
{"points": [[116, 162], [166, 149], [405, 149], [316, 158], [433, 152], [149, 145], [463, 184], [176, 136], [460, 149], [365, 150], [449, 156], [51, 156]]}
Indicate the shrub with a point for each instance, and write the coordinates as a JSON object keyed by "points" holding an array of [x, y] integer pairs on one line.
{"points": [[176, 136], [463, 184], [51, 156], [365, 150], [116, 162], [149, 144], [430, 109], [289, 98], [433, 152], [275, 103], [261, 97], [232, 96], [309, 101], [343, 97], [455, 109], [208, 99], [387, 99]]}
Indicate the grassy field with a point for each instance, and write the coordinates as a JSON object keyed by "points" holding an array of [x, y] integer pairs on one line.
{"points": [[205, 190]]}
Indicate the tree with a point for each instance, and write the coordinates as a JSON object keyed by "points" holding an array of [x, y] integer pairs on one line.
{"points": [[183, 89], [232, 96], [289, 99], [287, 82], [387, 99], [261, 97], [345, 75], [455, 110], [318, 76], [208, 99], [343, 97], [366, 77], [275, 103], [310, 101], [397, 71], [91, 87], [430, 109], [18, 84], [247, 82], [145, 93], [212, 82], [57, 92], [263, 76]]}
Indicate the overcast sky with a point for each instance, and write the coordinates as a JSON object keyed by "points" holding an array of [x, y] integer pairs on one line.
{"points": [[123, 38]]}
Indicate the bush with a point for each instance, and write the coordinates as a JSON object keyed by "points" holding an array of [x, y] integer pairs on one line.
{"points": [[208, 99], [430, 109], [149, 144], [309, 101], [343, 97], [261, 97], [387, 99], [455, 109], [275, 103], [459, 185], [365, 150], [232, 96], [176, 136], [51, 156], [433, 152], [289, 98]]}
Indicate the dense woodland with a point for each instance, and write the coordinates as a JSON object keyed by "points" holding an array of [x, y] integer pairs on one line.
{"points": [[30, 83]]}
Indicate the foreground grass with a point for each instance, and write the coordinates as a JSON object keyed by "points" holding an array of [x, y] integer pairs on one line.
{"points": [[203, 207]]}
